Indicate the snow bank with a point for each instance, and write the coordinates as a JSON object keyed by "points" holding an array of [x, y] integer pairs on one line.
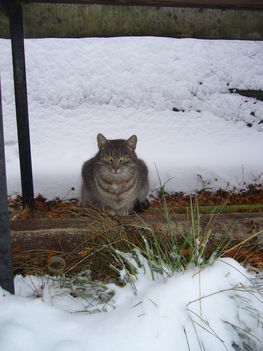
{"points": [[209, 308], [125, 86]]}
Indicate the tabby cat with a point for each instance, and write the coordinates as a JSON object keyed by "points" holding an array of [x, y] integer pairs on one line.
{"points": [[114, 180]]}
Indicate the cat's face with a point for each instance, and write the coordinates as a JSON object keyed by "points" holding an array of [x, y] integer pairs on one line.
{"points": [[117, 157]]}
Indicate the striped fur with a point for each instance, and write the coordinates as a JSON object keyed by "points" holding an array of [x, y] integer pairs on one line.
{"points": [[114, 179]]}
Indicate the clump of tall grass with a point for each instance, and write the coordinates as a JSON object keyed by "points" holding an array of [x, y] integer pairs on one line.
{"points": [[171, 249]]}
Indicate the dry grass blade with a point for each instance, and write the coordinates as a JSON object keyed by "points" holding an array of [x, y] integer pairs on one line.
{"points": [[243, 242], [187, 341]]}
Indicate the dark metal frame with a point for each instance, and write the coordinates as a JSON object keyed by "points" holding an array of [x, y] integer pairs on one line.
{"points": [[6, 273], [19, 70]]}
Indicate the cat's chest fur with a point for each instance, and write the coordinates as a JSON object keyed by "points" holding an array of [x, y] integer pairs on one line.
{"points": [[116, 188]]}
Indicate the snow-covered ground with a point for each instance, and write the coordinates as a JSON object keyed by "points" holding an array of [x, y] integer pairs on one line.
{"points": [[125, 86], [211, 308]]}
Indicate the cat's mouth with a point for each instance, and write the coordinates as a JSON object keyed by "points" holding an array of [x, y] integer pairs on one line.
{"points": [[116, 171]]}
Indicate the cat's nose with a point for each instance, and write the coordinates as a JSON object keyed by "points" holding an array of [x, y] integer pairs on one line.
{"points": [[115, 166]]}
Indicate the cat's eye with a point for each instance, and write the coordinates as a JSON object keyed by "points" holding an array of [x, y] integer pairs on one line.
{"points": [[108, 158], [123, 158]]}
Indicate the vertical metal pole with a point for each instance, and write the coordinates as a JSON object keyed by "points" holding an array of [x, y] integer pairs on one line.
{"points": [[6, 272], [18, 54]]}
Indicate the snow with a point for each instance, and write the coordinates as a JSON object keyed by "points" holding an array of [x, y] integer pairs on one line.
{"points": [[125, 86], [199, 305], [119, 87]]}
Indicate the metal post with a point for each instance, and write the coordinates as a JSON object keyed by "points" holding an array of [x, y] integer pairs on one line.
{"points": [[18, 54], [6, 272]]}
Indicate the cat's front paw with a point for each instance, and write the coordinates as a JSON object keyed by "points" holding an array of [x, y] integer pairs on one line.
{"points": [[110, 212], [123, 212]]}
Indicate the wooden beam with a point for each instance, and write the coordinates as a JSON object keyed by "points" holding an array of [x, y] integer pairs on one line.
{"points": [[69, 234], [252, 4]]}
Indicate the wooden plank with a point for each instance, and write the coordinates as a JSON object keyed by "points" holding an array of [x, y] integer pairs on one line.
{"points": [[66, 235], [77, 20], [252, 4]]}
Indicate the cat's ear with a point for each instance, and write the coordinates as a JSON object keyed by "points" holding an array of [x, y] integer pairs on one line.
{"points": [[132, 141], [102, 141]]}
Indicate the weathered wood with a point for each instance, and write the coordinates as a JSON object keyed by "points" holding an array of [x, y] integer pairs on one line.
{"points": [[91, 20], [256, 4], [67, 234]]}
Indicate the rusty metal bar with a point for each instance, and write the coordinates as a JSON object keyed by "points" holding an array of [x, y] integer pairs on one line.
{"points": [[18, 54], [6, 271]]}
